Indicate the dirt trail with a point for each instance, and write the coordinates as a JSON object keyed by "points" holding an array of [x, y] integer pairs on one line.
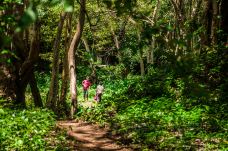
{"points": [[90, 137]]}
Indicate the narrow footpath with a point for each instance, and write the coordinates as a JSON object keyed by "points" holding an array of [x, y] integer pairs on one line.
{"points": [[90, 137]]}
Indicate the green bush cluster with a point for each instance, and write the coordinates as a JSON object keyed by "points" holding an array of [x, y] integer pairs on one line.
{"points": [[163, 112], [24, 129]]}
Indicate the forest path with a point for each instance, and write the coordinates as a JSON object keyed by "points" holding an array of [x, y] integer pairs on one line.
{"points": [[91, 137]]}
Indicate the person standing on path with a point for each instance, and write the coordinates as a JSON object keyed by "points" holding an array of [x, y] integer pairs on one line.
{"points": [[86, 85], [99, 92]]}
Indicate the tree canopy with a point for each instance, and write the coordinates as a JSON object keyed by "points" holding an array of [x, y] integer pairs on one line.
{"points": [[163, 64]]}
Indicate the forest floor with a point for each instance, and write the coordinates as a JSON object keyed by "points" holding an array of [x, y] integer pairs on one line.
{"points": [[91, 137]]}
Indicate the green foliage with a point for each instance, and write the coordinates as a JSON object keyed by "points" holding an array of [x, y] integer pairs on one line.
{"points": [[24, 129], [161, 111], [43, 81], [29, 16], [181, 102], [68, 5], [122, 6]]}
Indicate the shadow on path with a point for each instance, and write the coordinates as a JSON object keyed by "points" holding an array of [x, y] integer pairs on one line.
{"points": [[90, 137]]}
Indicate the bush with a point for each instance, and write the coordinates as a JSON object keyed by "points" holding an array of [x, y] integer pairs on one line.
{"points": [[24, 129], [161, 112]]}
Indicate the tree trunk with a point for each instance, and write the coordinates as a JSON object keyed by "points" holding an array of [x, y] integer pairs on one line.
{"points": [[54, 86], [207, 23], [71, 58], [154, 19], [65, 72], [24, 69], [27, 54], [115, 38], [180, 20], [152, 50], [35, 91], [142, 67], [214, 24]]}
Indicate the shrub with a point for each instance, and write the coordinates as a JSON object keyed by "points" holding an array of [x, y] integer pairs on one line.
{"points": [[24, 129]]}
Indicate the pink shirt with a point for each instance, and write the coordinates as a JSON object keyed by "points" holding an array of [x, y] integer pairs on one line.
{"points": [[86, 84]]}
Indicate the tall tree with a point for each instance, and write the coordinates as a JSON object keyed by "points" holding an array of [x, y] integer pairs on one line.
{"points": [[25, 46], [71, 57], [53, 96], [29, 57], [65, 71], [35, 42]]}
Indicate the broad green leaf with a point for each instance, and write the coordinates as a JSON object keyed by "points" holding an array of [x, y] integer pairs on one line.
{"points": [[4, 51], [2, 111]]}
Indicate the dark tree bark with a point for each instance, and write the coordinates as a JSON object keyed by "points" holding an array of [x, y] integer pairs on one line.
{"points": [[207, 23], [35, 91], [224, 21], [214, 22], [29, 57], [54, 86]]}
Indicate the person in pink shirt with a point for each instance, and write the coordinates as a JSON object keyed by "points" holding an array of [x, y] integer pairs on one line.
{"points": [[86, 85]]}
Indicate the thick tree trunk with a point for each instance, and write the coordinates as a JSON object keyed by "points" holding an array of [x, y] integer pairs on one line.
{"points": [[20, 51], [65, 72], [211, 22], [71, 58], [35, 45], [214, 24], [27, 54], [24, 70], [35, 91], [206, 41], [62, 100], [54, 86]]}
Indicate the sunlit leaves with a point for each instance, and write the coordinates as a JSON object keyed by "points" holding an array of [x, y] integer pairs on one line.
{"points": [[14, 1]]}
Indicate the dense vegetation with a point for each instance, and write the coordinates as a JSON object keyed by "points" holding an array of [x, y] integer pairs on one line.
{"points": [[161, 112], [163, 65]]}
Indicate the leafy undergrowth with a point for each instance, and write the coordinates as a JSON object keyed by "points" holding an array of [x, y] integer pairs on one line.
{"points": [[29, 130], [158, 113]]}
